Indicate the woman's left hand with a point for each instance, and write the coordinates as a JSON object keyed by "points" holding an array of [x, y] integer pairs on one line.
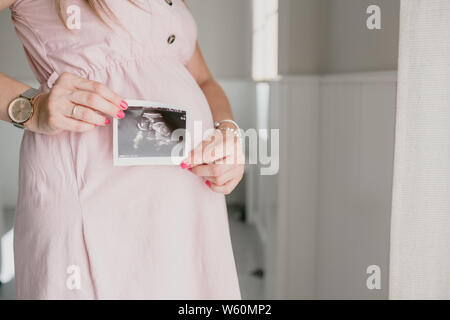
{"points": [[219, 160]]}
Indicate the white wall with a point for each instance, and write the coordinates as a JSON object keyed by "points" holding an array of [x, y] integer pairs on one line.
{"points": [[356, 139], [296, 100], [357, 123], [326, 217]]}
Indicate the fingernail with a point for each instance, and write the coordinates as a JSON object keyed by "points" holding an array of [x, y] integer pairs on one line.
{"points": [[107, 121], [190, 169], [120, 114], [184, 165], [208, 183], [124, 105]]}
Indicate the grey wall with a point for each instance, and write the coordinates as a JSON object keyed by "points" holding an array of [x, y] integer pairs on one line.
{"points": [[351, 47], [331, 36], [316, 36], [302, 36], [13, 63], [225, 35], [12, 56]]}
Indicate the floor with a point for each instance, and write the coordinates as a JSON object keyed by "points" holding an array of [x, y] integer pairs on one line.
{"points": [[7, 291], [248, 257], [247, 252]]}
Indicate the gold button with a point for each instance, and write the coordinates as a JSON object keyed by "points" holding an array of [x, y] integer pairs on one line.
{"points": [[171, 39], [169, 2]]}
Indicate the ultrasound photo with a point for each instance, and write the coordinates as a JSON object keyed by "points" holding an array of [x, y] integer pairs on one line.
{"points": [[150, 134]]}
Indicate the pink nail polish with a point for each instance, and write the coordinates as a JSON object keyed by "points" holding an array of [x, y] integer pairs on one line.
{"points": [[120, 114], [190, 169], [107, 121], [208, 183], [184, 165], [124, 105]]}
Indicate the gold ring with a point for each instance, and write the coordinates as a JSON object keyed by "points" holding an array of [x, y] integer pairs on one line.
{"points": [[74, 109]]}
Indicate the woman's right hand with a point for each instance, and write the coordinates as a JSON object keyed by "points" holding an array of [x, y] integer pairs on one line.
{"points": [[75, 104]]}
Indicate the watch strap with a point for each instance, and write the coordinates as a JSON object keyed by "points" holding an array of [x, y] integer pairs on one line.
{"points": [[30, 94], [19, 125]]}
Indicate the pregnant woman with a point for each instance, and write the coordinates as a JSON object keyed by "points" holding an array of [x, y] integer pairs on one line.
{"points": [[88, 230]]}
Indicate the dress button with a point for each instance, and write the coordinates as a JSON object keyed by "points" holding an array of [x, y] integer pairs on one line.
{"points": [[171, 39], [169, 2]]}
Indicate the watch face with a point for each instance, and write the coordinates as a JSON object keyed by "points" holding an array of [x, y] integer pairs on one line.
{"points": [[20, 110]]}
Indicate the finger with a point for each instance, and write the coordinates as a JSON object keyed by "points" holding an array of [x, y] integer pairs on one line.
{"points": [[73, 125], [101, 90], [223, 179], [96, 102], [215, 148], [235, 157], [215, 151], [211, 170], [227, 188], [88, 115], [195, 157]]}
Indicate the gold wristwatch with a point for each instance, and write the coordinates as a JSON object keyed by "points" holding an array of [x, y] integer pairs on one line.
{"points": [[21, 109]]}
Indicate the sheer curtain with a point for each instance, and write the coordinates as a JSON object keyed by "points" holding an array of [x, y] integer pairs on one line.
{"points": [[420, 235]]}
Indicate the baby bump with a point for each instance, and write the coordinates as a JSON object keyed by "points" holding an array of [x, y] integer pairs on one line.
{"points": [[159, 79], [71, 167]]}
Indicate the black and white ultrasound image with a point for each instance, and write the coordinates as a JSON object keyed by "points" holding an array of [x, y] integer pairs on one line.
{"points": [[151, 132]]}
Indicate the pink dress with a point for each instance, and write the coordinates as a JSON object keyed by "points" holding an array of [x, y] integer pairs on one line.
{"points": [[155, 232]]}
